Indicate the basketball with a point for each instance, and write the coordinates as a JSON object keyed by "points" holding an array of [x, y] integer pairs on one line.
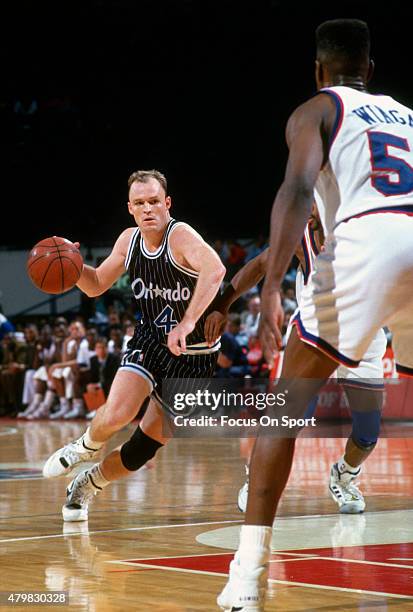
{"points": [[54, 265]]}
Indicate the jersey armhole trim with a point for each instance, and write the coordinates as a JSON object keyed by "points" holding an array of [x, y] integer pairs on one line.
{"points": [[172, 258], [131, 247], [339, 115]]}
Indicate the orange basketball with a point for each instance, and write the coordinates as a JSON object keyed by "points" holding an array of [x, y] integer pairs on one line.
{"points": [[54, 265]]}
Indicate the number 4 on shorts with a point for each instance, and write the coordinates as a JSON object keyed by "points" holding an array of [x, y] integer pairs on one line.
{"points": [[166, 320]]}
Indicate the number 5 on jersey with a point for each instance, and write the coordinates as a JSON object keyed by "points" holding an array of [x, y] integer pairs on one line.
{"points": [[166, 320], [386, 165]]}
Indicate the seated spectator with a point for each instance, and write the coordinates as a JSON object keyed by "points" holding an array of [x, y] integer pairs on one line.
{"points": [[45, 353], [115, 344], [81, 374], [103, 367], [232, 360], [31, 335], [62, 373]]}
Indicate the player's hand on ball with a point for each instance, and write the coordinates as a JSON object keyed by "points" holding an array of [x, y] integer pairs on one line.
{"points": [[177, 337], [271, 321], [214, 326]]}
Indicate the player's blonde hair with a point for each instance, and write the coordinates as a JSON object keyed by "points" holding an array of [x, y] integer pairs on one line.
{"points": [[143, 176]]}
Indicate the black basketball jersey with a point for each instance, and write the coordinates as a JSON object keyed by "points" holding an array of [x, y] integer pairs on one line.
{"points": [[162, 288]]}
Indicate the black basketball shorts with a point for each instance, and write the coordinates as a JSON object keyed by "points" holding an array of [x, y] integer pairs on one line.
{"points": [[147, 357]]}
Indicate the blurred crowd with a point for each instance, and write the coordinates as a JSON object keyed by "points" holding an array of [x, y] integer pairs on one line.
{"points": [[62, 367]]}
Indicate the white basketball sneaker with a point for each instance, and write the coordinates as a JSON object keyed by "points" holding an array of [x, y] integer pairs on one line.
{"points": [[245, 590], [79, 493], [66, 458], [243, 493], [345, 492]]}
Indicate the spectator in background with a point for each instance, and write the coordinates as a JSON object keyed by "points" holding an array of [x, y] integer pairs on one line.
{"points": [[258, 246], [221, 248], [115, 344], [129, 328], [5, 326], [61, 373], [103, 367], [235, 259], [251, 317], [31, 334], [45, 353], [232, 359], [81, 374], [289, 300]]}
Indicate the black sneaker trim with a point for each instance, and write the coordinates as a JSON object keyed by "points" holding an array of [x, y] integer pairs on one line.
{"points": [[93, 483], [63, 462], [88, 447], [74, 506]]}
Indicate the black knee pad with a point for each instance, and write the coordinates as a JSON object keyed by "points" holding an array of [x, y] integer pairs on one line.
{"points": [[366, 428], [138, 450]]}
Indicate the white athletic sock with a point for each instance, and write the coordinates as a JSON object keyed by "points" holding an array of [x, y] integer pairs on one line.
{"points": [[64, 402], [97, 478], [36, 401], [89, 443], [255, 546], [343, 466], [49, 398]]}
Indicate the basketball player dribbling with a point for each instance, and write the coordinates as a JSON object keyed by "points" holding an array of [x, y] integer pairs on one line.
{"points": [[355, 148], [363, 385], [174, 277]]}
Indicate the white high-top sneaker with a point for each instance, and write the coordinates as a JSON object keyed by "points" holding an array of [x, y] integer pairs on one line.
{"points": [[245, 589], [66, 458], [43, 410], [32, 407], [79, 493], [344, 491], [64, 408], [78, 411]]}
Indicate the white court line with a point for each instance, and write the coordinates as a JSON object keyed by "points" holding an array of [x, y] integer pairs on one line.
{"points": [[67, 535], [293, 583]]}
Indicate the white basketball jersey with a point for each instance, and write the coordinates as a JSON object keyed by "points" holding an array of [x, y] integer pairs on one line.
{"points": [[370, 163]]}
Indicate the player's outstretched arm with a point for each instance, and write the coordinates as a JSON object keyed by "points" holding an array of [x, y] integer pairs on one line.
{"points": [[192, 252], [246, 278], [307, 134], [95, 281]]}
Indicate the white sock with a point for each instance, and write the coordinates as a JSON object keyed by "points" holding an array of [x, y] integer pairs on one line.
{"points": [[343, 466], [49, 398], [89, 443], [64, 403], [77, 403], [255, 545], [36, 401], [97, 478]]}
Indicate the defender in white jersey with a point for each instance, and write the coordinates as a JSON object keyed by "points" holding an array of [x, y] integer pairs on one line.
{"points": [[362, 385], [356, 150]]}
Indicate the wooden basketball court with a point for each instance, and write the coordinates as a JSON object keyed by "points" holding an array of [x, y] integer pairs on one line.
{"points": [[163, 539]]}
